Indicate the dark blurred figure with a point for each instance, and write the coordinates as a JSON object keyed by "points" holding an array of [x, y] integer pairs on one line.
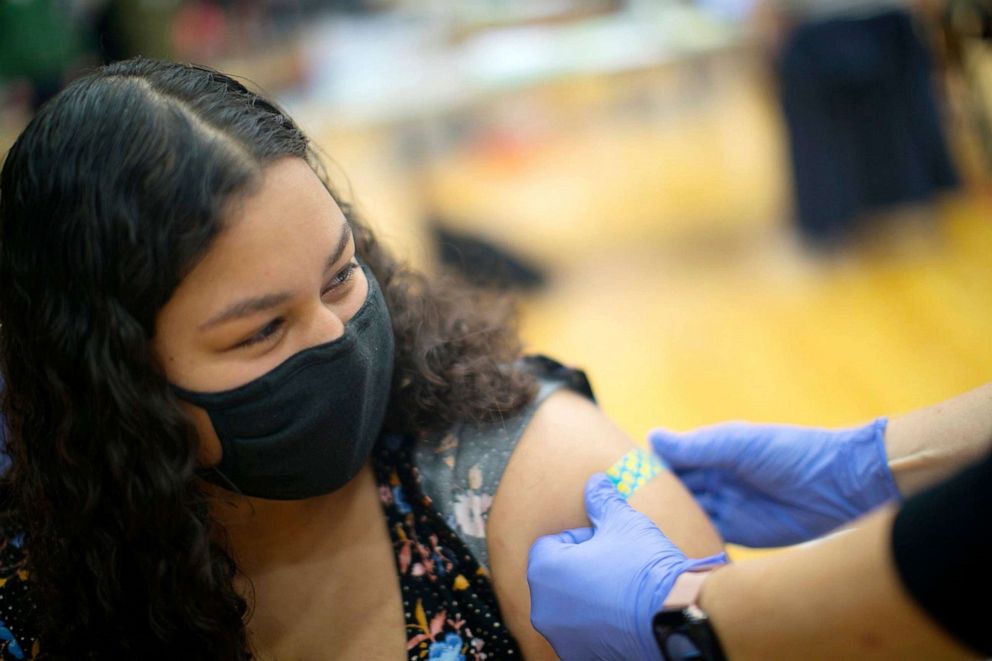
{"points": [[865, 131], [966, 31], [482, 262], [109, 33]]}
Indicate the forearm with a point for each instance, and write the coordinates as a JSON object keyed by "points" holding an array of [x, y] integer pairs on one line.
{"points": [[927, 445], [839, 598]]}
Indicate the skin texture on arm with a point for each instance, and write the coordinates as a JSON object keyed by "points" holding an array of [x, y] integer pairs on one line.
{"points": [[541, 493], [837, 599], [929, 444]]}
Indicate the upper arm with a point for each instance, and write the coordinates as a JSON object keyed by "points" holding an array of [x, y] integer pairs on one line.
{"points": [[541, 493]]}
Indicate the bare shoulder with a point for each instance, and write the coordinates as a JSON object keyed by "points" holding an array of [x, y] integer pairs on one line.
{"points": [[568, 439]]}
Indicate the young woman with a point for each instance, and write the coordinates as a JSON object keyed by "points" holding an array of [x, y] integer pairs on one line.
{"points": [[238, 428]]}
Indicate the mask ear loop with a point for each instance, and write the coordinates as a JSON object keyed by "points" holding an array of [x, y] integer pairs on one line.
{"points": [[227, 483], [203, 473]]}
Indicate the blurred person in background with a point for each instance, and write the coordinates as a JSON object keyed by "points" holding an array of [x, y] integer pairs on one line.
{"points": [[238, 427], [864, 126]]}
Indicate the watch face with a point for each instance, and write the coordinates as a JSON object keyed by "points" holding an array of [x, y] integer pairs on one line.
{"points": [[678, 647], [671, 629]]}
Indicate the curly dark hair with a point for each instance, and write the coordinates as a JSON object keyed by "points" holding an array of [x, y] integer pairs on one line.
{"points": [[107, 199]]}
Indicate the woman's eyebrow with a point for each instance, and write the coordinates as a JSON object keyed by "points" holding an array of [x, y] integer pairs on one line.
{"points": [[342, 244], [247, 307]]}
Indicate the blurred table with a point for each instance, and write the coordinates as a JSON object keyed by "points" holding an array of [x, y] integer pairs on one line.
{"points": [[397, 67]]}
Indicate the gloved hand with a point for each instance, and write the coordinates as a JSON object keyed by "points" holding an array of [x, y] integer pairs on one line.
{"points": [[772, 485], [594, 591]]}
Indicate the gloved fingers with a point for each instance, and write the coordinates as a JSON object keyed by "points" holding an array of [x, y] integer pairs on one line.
{"points": [[711, 503], [758, 523], [762, 536], [717, 493], [729, 527], [612, 515], [695, 479], [702, 480], [792, 527], [718, 446], [576, 535], [733, 513], [746, 532], [714, 560], [603, 501], [545, 549], [747, 520]]}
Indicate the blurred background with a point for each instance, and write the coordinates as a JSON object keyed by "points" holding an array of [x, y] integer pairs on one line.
{"points": [[721, 209]]}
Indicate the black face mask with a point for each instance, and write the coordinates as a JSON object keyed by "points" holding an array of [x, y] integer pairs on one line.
{"points": [[307, 427]]}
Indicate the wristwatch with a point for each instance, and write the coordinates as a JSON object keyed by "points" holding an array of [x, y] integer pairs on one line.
{"points": [[686, 635], [682, 629]]}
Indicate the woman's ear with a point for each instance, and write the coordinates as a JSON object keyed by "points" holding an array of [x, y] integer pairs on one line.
{"points": [[208, 450]]}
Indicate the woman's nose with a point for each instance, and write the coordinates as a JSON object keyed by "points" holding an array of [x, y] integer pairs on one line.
{"points": [[327, 325]]}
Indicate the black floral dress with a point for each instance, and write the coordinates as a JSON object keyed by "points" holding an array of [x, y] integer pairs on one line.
{"points": [[448, 601]]}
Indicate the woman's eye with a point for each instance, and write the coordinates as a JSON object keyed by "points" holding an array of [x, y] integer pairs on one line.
{"points": [[264, 334], [340, 278]]}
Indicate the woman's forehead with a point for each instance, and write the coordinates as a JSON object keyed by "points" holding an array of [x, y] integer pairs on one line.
{"points": [[276, 237]]}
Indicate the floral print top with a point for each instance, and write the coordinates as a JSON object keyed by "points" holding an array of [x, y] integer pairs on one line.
{"points": [[435, 493], [16, 601], [461, 470]]}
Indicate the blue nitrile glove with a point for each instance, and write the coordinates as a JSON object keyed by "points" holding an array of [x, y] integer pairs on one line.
{"points": [[594, 591], [772, 485]]}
